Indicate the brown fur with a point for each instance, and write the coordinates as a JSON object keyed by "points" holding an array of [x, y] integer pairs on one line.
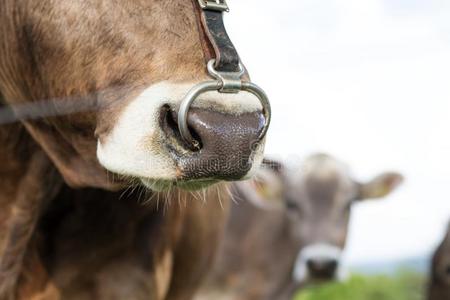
{"points": [[103, 52], [134, 250], [23, 200], [94, 244], [89, 243], [439, 288]]}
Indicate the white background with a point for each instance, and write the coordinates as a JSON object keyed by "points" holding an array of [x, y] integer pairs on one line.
{"points": [[368, 82]]}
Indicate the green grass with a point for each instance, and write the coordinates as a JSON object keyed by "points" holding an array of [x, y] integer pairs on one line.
{"points": [[401, 286]]}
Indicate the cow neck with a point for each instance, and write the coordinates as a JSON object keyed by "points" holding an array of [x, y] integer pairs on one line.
{"points": [[215, 41]]}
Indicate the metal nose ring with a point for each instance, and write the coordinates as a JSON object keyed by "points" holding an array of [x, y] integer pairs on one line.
{"points": [[225, 82]]}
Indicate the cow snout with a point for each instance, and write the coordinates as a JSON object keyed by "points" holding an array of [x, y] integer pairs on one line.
{"points": [[322, 267], [318, 262], [227, 144], [144, 141]]}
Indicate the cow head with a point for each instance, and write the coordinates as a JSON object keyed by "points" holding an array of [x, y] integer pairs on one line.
{"points": [[440, 273], [317, 200], [134, 61]]}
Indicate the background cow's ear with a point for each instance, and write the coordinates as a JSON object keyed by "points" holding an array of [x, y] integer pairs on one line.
{"points": [[380, 186], [265, 190]]}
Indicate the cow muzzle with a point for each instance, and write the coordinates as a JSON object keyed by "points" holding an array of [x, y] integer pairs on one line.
{"points": [[226, 144], [145, 142], [221, 144], [319, 262]]}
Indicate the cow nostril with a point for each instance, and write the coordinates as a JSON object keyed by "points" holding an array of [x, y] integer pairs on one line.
{"points": [[332, 265], [322, 267], [170, 126], [227, 144]]}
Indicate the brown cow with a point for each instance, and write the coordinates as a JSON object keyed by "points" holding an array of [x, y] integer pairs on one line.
{"points": [[440, 272], [64, 232], [289, 227]]}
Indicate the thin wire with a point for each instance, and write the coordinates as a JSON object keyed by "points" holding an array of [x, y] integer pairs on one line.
{"points": [[45, 109]]}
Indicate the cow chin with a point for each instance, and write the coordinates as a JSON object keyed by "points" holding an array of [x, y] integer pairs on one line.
{"points": [[164, 185], [138, 146]]}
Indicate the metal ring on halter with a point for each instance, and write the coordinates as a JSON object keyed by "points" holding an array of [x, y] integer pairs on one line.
{"points": [[227, 82]]}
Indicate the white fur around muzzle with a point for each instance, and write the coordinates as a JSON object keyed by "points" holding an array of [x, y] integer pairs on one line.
{"points": [[135, 147], [317, 251]]}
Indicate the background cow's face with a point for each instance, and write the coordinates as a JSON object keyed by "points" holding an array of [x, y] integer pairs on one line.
{"points": [[135, 60], [317, 200]]}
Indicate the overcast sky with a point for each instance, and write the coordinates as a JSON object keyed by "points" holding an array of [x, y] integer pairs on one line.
{"points": [[366, 81]]}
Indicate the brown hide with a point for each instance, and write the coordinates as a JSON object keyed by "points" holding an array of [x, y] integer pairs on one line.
{"points": [[94, 244], [29, 181], [99, 52], [439, 288], [91, 244], [103, 246]]}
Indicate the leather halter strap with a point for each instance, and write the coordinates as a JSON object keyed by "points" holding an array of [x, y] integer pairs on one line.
{"points": [[218, 44], [223, 64]]}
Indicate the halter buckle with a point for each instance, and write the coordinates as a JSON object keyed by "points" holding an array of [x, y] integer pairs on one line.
{"points": [[215, 5], [230, 82]]}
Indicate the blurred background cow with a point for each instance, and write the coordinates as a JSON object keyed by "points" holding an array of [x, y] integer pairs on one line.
{"points": [[368, 82], [439, 288], [289, 227]]}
